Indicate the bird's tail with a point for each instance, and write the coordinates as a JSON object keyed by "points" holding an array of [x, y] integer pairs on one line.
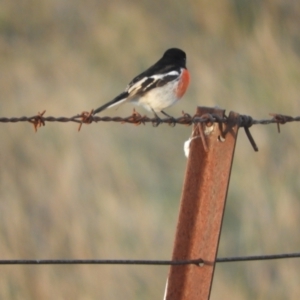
{"points": [[116, 101]]}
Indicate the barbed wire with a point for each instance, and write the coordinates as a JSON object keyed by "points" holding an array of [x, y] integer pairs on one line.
{"points": [[198, 262], [244, 121], [137, 119]]}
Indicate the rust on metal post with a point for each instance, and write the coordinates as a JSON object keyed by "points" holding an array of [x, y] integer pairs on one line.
{"points": [[202, 207]]}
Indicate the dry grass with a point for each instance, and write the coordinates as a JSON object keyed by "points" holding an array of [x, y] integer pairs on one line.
{"points": [[113, 191]]}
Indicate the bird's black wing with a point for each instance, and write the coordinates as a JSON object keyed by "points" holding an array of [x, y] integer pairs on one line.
{"points": [[156, 69]]}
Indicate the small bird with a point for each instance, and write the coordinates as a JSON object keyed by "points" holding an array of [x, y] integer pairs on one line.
{"points": [[159, 87]]}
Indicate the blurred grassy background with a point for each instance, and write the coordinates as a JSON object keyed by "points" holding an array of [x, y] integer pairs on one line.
{"points": [[113, 191]]}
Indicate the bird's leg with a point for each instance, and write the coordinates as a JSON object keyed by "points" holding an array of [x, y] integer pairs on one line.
{"points": [[164, 113], [155, 124], [155, 114], [172, 119]]}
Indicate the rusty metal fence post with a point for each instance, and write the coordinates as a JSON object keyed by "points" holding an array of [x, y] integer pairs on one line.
{"points": [[201, 209]]}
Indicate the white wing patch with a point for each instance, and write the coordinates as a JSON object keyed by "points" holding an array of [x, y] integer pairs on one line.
{"points": [[135, 86]]}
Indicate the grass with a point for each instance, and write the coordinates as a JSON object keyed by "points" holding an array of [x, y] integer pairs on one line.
{"points": [[112, 191]]}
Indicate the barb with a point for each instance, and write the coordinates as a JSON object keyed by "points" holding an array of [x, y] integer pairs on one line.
{"points": [[281, 119], [86, 117], [38, 121], [199, 262]]}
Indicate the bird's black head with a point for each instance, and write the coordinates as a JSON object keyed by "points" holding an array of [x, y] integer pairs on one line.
{"points": [[175, 54]]}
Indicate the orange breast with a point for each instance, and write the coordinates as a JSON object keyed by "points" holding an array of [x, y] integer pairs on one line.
{"points": [[183, 84]]}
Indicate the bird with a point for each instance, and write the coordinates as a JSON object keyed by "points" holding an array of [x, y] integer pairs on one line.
{"points": [[157, 88]]}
